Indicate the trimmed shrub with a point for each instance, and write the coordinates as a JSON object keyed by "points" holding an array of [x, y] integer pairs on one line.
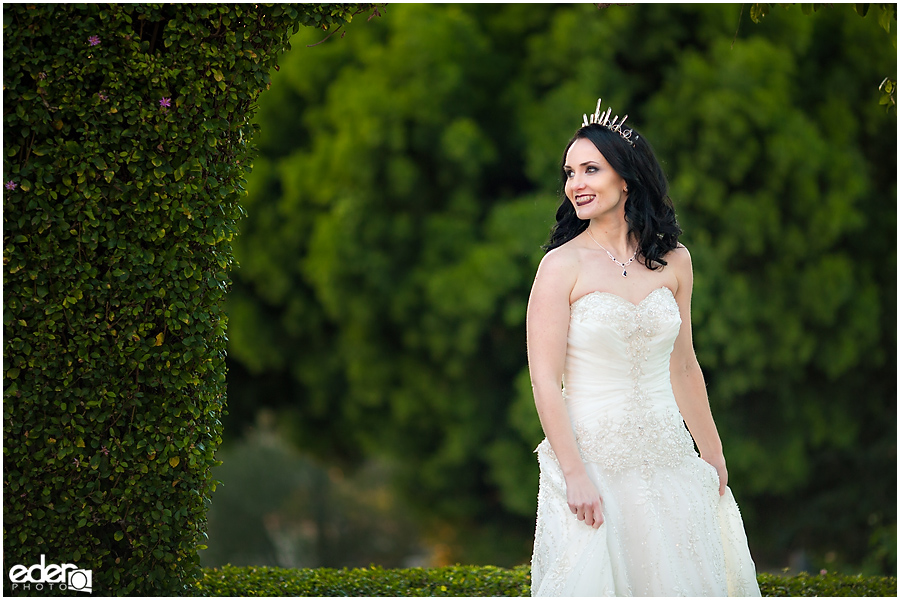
{"points": [[372, 581], [126, 131], [473, 581], [828, 584]]}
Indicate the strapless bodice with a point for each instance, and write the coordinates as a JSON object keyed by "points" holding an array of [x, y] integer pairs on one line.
{"points": [[615, 346], [616, 383]]}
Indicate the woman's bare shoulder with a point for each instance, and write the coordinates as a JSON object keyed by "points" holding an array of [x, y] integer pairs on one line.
{"points": [[679, 257], [679, 260], [567, 254], [560, 265]]}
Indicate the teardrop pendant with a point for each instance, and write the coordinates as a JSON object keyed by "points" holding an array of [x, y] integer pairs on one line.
{"points": [[624, 273]]}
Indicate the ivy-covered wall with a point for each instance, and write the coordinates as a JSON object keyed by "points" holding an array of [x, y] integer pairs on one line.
{"points": [[126, 131]]}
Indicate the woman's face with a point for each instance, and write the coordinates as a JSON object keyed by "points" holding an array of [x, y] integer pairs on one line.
{"points": [[592, 186]]}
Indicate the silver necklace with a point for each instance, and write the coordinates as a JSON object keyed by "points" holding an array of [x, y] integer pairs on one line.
{"points": [[613, 258]]}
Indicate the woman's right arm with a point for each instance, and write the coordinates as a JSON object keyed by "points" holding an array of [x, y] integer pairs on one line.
{"points": [[547, 327]]}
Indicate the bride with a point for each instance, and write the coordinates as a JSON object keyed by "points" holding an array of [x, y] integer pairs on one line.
{"points": [[626, 507]]}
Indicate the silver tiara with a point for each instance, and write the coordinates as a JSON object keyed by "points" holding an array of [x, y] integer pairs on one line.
{"points": [[602, 118]]}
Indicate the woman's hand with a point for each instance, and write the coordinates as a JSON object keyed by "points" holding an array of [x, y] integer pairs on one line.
{"points": [[584, 499], [718, 462]]}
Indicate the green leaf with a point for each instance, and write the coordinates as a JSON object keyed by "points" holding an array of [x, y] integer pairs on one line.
{"points": [[758, 11], [885, 18]]}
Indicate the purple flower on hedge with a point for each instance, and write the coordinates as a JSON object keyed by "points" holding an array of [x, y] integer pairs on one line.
{"points": [[42, 76], [94, 40], [10, 185], [102, 97], [104, 451], [165, 102]]}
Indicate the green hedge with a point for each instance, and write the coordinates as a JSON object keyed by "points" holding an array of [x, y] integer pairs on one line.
{"points": [[472, 581], [126, 132], [371, 581], [829, 584]]}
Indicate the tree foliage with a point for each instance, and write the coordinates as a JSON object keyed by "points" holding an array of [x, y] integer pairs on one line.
{"points": [[125, 151], [409, 174], [887, 13]]}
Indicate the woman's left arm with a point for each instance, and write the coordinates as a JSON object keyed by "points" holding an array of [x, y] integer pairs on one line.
{"points": [[687, 378]]}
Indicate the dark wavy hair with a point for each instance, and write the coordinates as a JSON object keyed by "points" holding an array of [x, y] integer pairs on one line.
{"points": [[648, 208]]}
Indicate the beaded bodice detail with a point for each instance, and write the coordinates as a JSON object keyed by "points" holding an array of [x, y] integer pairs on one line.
{"points": [[617, 385]]}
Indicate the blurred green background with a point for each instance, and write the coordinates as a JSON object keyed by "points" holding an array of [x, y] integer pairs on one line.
{"points": [[379, 403]]}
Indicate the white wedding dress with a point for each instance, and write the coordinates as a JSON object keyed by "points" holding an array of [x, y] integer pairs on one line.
{"points": [[666, 530]]}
